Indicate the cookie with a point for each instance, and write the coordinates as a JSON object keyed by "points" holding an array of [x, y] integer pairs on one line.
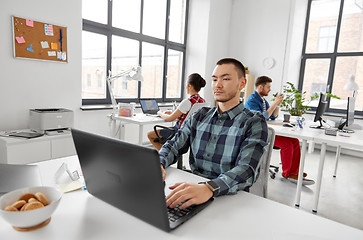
{"points": [[41, 198], [18, 204], [11, 209], [32, 200], [33, 205], [26, 196]]}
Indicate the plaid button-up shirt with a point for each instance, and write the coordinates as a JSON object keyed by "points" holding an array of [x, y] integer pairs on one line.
{"points": [[226, 147]]}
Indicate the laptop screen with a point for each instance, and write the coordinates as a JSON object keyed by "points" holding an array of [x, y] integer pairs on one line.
{"points": [[149, 106]]}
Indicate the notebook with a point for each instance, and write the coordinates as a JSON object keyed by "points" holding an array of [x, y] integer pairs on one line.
{"points": [[126, 176], [149, 106], [15, 176]]}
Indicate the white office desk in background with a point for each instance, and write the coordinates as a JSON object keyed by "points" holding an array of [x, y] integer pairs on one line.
{"points": [[118, 130], [355, 141], [80, 216]]}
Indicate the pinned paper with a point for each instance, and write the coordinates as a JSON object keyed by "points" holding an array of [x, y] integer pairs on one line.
{"points": [[48, 28], [30, 49], [59, 55], [64, 56], [44, 44], [52, 54], [54, 46], [29, 23], [20, 39]]}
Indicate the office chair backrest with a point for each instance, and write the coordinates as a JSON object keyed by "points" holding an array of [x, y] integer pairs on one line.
{"points": [[194, 108], [259, 188]]}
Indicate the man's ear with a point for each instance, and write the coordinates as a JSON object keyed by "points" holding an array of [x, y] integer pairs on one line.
{"points": [[243, 83]]}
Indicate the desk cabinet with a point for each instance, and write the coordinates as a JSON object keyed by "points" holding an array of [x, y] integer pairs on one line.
{"points": [[23, 151]]}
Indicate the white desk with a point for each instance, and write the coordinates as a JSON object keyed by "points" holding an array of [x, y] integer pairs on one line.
{"points": [[317, 135], [81, 216], [140, 119], [355, 141], [305, 134]]}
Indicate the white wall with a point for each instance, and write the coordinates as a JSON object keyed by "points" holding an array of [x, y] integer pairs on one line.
{"points": [[26, 84], [259, 29]]}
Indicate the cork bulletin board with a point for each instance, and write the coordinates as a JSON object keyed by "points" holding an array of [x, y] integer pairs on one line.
{"points": [[38, 40]]}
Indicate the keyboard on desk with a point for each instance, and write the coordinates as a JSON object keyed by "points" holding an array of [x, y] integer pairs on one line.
{"points": [[177, 216]]}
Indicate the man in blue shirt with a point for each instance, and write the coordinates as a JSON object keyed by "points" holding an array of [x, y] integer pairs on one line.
{"points": [[290, 147], [225, 142]]}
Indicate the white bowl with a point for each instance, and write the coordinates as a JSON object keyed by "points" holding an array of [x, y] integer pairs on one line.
{"points": [[25, 219]]}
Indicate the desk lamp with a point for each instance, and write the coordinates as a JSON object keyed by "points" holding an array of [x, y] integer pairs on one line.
{"points": [[130, 74], [351, 85]]}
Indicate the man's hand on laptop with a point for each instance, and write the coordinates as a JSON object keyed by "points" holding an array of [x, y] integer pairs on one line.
{"points": [[191, 193]]}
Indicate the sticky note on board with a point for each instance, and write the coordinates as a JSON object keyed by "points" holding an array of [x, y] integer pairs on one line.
{"points": [[48, 29], [52, 53], [20, 39], [64, 56], [29, 23], [54, 46], [44, 44]]}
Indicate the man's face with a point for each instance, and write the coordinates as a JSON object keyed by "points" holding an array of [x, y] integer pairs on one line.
{"points": [[226, 84], [265, 89]]}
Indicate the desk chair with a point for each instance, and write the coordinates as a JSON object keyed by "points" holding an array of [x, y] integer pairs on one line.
{"points": [[194, 108], [259, 188]]}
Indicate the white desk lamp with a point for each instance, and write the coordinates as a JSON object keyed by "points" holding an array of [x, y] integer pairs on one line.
{"points": [[130, 74], [351, 85]]}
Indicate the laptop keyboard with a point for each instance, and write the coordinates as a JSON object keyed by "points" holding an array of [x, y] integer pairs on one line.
{"points": [[175, 213]]}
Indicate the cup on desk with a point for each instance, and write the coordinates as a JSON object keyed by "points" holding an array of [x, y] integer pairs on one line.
{"points": [[286, 117]]}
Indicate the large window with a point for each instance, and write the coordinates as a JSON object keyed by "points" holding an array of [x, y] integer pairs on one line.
{"points": [[333, 51], [121, 34]]}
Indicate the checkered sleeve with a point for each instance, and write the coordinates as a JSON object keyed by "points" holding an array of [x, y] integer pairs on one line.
{"points": [[175, 147], [242, 175]]}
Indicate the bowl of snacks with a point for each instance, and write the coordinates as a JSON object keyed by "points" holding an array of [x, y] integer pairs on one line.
{"points": [[29, 208]]}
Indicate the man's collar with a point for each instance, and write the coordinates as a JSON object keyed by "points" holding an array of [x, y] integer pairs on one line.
{"points": [[233, 112]]}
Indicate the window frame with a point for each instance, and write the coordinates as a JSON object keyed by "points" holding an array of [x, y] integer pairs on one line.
{"points": [[108, 30], [332, 56]]}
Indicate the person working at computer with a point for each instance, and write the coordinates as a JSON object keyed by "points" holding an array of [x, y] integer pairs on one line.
{"points": [[290, 147], [193, 85], [226, 142]]}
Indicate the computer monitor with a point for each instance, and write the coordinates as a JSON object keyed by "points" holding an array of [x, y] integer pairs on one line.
{"points": [[350, 115], [323, 104]]}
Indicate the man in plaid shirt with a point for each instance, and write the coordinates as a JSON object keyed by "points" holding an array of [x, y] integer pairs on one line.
{"points": [[225, 142]]}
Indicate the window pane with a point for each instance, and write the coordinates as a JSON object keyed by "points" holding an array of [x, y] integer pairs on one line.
{"points": [[93, 65], [174, 81], [344, 68], [95, 10], [315, 77], [154, 18], [126, 14], [351, 36], [152, 70], [125, 55], [322, 26], [177, 21]]}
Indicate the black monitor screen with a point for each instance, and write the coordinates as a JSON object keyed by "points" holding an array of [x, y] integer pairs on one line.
{"points": [[323, 104]]}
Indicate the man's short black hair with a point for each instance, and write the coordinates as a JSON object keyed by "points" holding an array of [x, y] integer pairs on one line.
{"points": [[262, 80], [237, 64]]}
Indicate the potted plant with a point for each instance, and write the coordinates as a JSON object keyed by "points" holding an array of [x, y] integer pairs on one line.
{"points": [[294, 102]]}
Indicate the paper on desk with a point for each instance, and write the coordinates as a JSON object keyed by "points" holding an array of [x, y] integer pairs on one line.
{"points": [[71, 186]]}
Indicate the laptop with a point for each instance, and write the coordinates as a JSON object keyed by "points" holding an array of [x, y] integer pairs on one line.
{"points": [[15, 176], [128, 177], [149, 107]]}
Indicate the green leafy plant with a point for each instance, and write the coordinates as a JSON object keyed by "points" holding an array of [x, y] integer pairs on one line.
{"points": [[294, 102]]}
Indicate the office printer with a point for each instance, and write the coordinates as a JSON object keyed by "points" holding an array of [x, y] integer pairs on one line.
{"points": [[51, 120]]}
